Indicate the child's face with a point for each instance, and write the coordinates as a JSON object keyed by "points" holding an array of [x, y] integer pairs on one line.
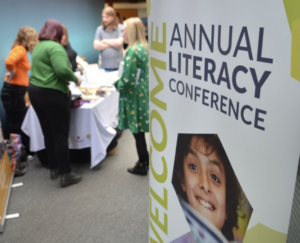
{"points": [[204, 183]]}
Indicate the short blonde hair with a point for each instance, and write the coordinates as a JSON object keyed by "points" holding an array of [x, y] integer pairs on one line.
{"points": [[66, 35], [27, 37], [136, 32], [110, 12]]}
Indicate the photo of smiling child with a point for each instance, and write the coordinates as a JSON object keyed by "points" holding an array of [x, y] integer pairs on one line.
{"points": [[211, 197]]}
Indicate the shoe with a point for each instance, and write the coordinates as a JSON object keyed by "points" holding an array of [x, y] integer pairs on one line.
{"points": [[54, 173], [70, 178], [30, 158], [112, 151], [138, 169], [119, 132], [21, 168]]}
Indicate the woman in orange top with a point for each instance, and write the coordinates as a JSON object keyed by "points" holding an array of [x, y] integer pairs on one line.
{"points": [[16, 80]]}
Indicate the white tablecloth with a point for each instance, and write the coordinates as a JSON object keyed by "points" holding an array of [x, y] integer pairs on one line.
{"points": [[91, 126]]}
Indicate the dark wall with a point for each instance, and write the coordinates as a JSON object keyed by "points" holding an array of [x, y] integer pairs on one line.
{"points": [[80, 17]]}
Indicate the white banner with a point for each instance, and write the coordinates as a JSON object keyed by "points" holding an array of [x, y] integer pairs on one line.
{"points": [[224, 119]]}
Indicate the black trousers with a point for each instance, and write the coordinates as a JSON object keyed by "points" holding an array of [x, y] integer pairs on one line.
{"points": [[53, 110], [141, 147], [12, 97]]}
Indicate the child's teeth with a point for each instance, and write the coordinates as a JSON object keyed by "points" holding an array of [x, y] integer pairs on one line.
{"points": [[205, 204]]}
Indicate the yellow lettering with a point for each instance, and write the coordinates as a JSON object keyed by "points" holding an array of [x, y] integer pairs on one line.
{"points": [[156, 234], [159, 46], [155, 217], [162, 201], [162, 65], [162, 145], [161, 178]]}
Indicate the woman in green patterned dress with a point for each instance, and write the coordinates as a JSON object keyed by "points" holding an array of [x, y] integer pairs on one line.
{"points": [[134, 90]]}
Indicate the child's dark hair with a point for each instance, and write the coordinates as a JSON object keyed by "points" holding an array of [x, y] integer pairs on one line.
{"points": [[233, 191]]}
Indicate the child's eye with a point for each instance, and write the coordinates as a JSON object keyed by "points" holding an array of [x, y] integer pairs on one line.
{"points": [[214, 177], [193, 167]]}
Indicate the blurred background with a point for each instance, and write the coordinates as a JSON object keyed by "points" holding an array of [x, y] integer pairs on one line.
{"points": [[80, 17]]}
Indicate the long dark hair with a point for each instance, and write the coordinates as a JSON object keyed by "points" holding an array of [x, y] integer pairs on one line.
{"points": [[233, 190], [52, 30]]}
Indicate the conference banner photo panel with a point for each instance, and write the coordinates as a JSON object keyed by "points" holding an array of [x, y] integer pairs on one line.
{"points": [[224, 82]]}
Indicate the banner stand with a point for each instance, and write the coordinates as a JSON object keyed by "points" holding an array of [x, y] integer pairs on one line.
{"points": [[224, 83], [6, 179]]}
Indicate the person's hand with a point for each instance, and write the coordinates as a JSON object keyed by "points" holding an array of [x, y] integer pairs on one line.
{"points": [[9, 75], [5, 77], [78, 81]]}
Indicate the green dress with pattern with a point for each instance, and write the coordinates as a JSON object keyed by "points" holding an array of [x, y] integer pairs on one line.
{"points": [[133, 87]]}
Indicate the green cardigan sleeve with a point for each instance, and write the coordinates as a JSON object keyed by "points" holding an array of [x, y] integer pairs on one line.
{"points": [[59, 62]]}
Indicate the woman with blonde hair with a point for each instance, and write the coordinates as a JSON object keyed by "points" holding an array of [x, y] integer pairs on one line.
{"points": [[134, 92], [17, 81]]}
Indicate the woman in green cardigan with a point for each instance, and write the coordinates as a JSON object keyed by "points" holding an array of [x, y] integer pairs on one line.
{"points": [[134, 90], [50, 97]]}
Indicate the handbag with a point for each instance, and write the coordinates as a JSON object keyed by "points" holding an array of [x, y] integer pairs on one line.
{"points": [[17, 155]]}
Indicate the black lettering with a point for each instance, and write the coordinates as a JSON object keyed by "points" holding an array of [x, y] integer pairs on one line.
{"points": [[187, 57], [176, 30], [179, 62], [258, 84], [196, 92], [234, 82], [182, 85], [209, 43], [170, 62], [214, 100], [247, 48], [189, 91], [223, 104], [208, 71], [187, 32], [204, 97], [229, 41], [224, 69], [235, 111], [260, 47], [195, 67], [242, 114], [257, 119], [172, 80]]}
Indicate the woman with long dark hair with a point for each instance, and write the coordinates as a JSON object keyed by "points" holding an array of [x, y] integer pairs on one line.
{"points": [[70, 52]]}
